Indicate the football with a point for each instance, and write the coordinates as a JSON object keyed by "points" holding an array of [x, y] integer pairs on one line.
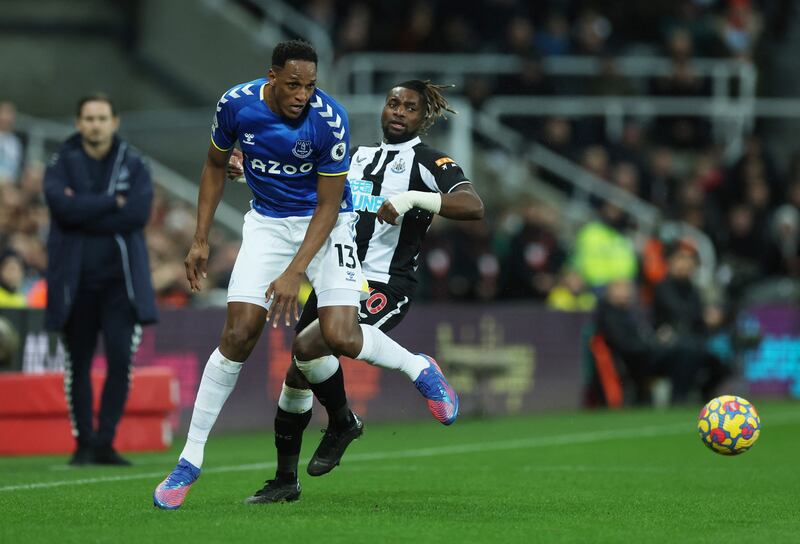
{"points": [[729, 425]]}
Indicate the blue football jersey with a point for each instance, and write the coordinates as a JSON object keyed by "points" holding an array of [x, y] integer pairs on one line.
{"points": [[282, 157]]}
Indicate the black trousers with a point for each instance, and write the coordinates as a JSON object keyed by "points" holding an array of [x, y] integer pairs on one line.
{"points": [[105, 310]]}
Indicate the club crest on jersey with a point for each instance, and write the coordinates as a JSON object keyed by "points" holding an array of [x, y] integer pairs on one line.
{"points": [[398, 166], [302, 149], [249, 138]]}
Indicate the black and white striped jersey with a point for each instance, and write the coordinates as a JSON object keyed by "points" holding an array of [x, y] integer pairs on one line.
{"points": [[388, 253]]}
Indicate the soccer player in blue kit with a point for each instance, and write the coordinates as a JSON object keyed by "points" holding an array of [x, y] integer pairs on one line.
{"points": [[295, 141]]}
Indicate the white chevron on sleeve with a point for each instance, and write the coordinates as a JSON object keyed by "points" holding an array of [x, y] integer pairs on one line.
{"points": [[246, 89], [316, 103], [337, 123], [328, 111], [234, 93], [339, 134], [223, 99]]}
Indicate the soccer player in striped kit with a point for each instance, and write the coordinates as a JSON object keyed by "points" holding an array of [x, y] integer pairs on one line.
{"points": [[398, 185], [295, 140]]}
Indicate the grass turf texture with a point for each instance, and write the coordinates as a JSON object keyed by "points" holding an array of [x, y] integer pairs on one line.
{"points": [[629, 476]]}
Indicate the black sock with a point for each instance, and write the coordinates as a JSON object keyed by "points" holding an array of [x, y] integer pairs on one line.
{"points": [[332, 396], [289, 429]]}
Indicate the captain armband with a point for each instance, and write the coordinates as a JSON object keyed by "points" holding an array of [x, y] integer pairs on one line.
{"points": [[403, 202]]}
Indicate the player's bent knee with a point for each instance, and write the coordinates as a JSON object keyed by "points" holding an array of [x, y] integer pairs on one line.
{"points": [[238, 341], [310, 344], [342, 341], [340, 330]]}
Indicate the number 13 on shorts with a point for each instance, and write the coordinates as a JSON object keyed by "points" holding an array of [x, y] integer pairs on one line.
{"points": [[347, 255]]}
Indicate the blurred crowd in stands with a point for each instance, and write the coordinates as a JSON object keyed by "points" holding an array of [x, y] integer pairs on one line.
{"points": [[544, 27], [749, 209]]}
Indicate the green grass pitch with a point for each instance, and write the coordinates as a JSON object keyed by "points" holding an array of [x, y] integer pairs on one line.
{"points": [[632, 476]]}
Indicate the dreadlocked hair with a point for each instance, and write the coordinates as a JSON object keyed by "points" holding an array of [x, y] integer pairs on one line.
{"points": [[436, 104]]}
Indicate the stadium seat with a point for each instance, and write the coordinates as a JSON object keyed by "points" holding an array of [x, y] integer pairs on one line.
{"points": [[34, 417]]}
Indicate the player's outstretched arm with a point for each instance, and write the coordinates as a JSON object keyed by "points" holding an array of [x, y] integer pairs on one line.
{"points": [[463, 203], [285, 288], [212, 184]]}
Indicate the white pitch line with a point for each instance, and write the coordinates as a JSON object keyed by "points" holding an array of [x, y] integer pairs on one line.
{"points": [[476, 447], [536, 442]]}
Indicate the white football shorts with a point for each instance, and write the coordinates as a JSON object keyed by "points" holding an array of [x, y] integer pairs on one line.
{"points": [[270, 243]]}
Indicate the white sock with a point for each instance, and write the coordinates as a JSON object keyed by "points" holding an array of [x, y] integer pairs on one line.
{"points": [[380, 350], [219, 378], [318, 370], [295, 401]]}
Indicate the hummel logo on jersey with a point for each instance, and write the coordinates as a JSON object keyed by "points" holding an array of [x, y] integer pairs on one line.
{"points": [[325, 111], [302, 149], [398, 166], [363, 199], [249, 139]]}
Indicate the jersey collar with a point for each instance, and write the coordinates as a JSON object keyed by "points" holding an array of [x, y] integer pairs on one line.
{"points": [[401, 147]]}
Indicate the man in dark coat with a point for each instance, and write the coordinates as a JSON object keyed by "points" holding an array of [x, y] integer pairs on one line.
{"points": [[99, 192]]}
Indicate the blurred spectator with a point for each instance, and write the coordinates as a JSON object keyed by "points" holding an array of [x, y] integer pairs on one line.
{"points": [[415, 35], [519, 36], [553, 39], [740, 28], [535, 256], [10, 144], [603, 252], [783, 245], [592, 31], [595, 160], [679, 318], [632, 148], [682, 131], [478, 90], [457, 36], [742, 251], [474, 274], [354, 31], [570, 294], [755, 165], [663, 182], [628, 339], [557, 136], [690, 17], [12, 273], [625, 175], [323, 12]]}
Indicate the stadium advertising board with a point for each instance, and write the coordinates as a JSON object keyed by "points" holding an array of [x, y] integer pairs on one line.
{"points": [[502, 359]]}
